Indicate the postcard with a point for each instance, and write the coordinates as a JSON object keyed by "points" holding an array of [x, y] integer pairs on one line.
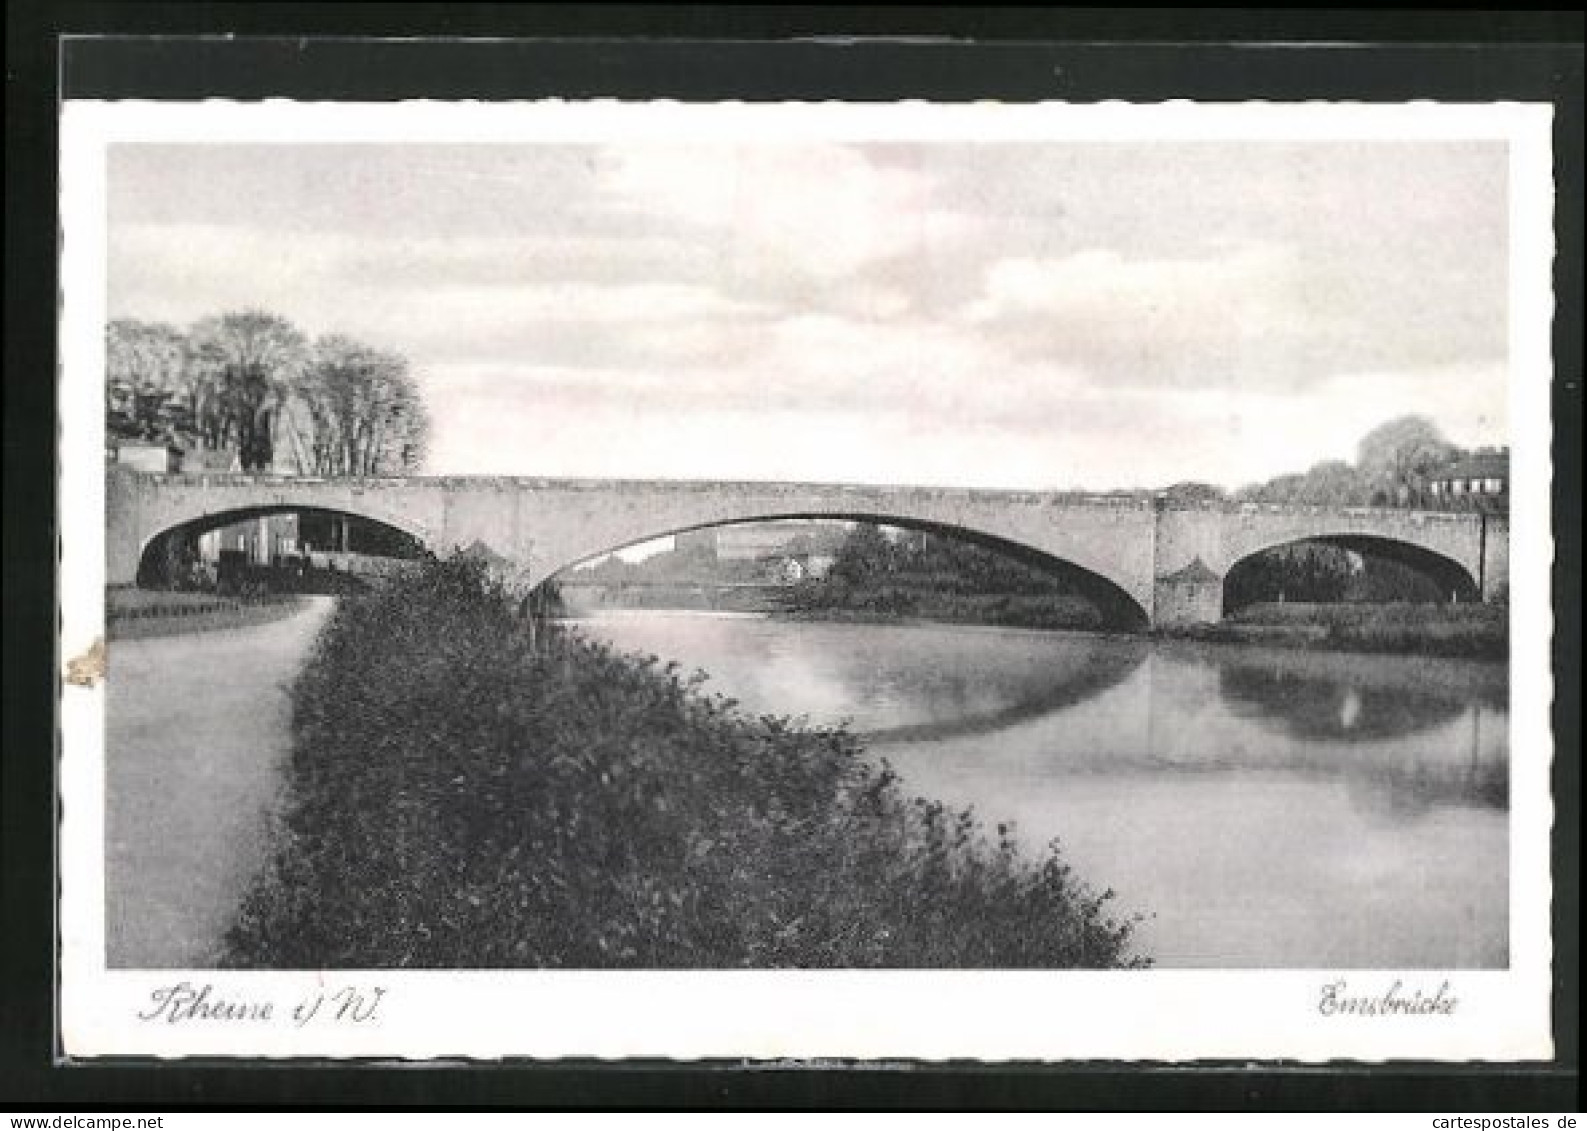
{"points": [[806, 581]]}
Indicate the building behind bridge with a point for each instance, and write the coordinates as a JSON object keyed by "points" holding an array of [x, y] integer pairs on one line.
{"points": [[797, 548], [1479, 480]]}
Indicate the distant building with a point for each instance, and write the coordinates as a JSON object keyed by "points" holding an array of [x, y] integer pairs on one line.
{"points": [[819, 565], [907, 537], [1480, 479], [754, 541], [262, 541], [786, 549], [268, 539], [791, 569], [147, 455]]}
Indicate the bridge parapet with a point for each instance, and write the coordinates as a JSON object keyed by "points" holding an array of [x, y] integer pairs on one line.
{"points": [[626, 487], [1322, 510]]}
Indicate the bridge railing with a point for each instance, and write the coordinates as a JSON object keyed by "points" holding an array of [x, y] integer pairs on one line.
{"points": [[774, 489], [1122, 500], [1460, 518]]}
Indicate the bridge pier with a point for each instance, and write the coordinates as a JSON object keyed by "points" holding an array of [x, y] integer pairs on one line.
{"points": [[1187, 566], [1192, 594], [1493, 578]]}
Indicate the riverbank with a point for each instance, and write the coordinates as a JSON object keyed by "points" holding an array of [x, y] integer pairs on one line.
{"points": [[589, 600], [907, 605], [1474, 632], [1478, 632], [461, 798], [140, 614]]}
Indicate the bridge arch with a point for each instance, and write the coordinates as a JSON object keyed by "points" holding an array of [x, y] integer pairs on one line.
{"points": [[1452, 578], [156, 548], [1118, 608]]}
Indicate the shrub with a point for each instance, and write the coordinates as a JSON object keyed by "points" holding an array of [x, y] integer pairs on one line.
{"points": [[460, 797], [1474, 631]]}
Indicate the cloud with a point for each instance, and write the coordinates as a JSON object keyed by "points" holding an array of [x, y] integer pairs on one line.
{"points": [[1038, 315], [1258, 317], [149, 258], [1150, 321], [510, 422], [376, 191], [465, 309], [1468, 400], [540, 300], [817, 212]]}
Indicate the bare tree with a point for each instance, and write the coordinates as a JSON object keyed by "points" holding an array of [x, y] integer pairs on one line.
{"points": [[146, 382], [363, 411], [247, 381], [245, 364]]}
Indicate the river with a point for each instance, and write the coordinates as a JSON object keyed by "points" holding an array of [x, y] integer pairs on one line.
{"points": [[1261, 807]]}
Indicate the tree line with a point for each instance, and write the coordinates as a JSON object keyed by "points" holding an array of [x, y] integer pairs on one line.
{"points": [[1394, 467], [1319, 573], [1395, 464], [251, 383], [693, 565], [922, 574], [945, 563]]}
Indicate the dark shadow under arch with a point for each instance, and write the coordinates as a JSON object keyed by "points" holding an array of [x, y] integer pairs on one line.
{"points": [[1449, 579], [1117, 608], [171, 544]]}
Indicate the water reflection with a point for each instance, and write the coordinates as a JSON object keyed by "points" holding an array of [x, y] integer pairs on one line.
{"points": [[1327, 714], [1089, 672], [1309, 707], [887, 682], [1417, 788], [1270, 808]]}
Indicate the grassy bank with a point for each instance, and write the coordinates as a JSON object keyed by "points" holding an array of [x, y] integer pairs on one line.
{"points": [[580, 601], [136, 614], [883, 603], [1462, 631], [459, 798]]}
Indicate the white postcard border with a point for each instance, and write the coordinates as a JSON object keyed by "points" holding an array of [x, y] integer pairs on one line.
{"points": [[1167, 1015]]}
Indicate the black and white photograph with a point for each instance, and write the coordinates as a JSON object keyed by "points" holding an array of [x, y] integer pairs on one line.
{"points": [[1031, 581]]}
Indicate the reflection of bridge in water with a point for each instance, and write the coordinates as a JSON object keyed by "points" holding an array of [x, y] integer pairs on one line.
{"points": [[1142, 561], [1088, 673], [1119, 706], [1338, 721]]}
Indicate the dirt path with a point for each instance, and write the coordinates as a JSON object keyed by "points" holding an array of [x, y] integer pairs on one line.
{"points": [[196, 737]]}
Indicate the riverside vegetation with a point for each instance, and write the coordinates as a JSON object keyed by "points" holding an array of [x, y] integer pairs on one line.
{"points": [[937, 578], [1302, 595], [1471, 631], [463, 793]]}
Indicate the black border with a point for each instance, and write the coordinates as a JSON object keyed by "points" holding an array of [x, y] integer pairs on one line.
{"points": [[705, 52]]}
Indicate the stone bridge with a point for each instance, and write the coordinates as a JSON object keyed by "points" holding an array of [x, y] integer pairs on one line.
{"points": [[1152, 562]]}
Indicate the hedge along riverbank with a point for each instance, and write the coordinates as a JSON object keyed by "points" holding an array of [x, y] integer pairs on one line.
{"points": [[1473, 631], [459, 798]]}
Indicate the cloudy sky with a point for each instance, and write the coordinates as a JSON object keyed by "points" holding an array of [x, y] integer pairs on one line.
{"points": [[1067, 315]]}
